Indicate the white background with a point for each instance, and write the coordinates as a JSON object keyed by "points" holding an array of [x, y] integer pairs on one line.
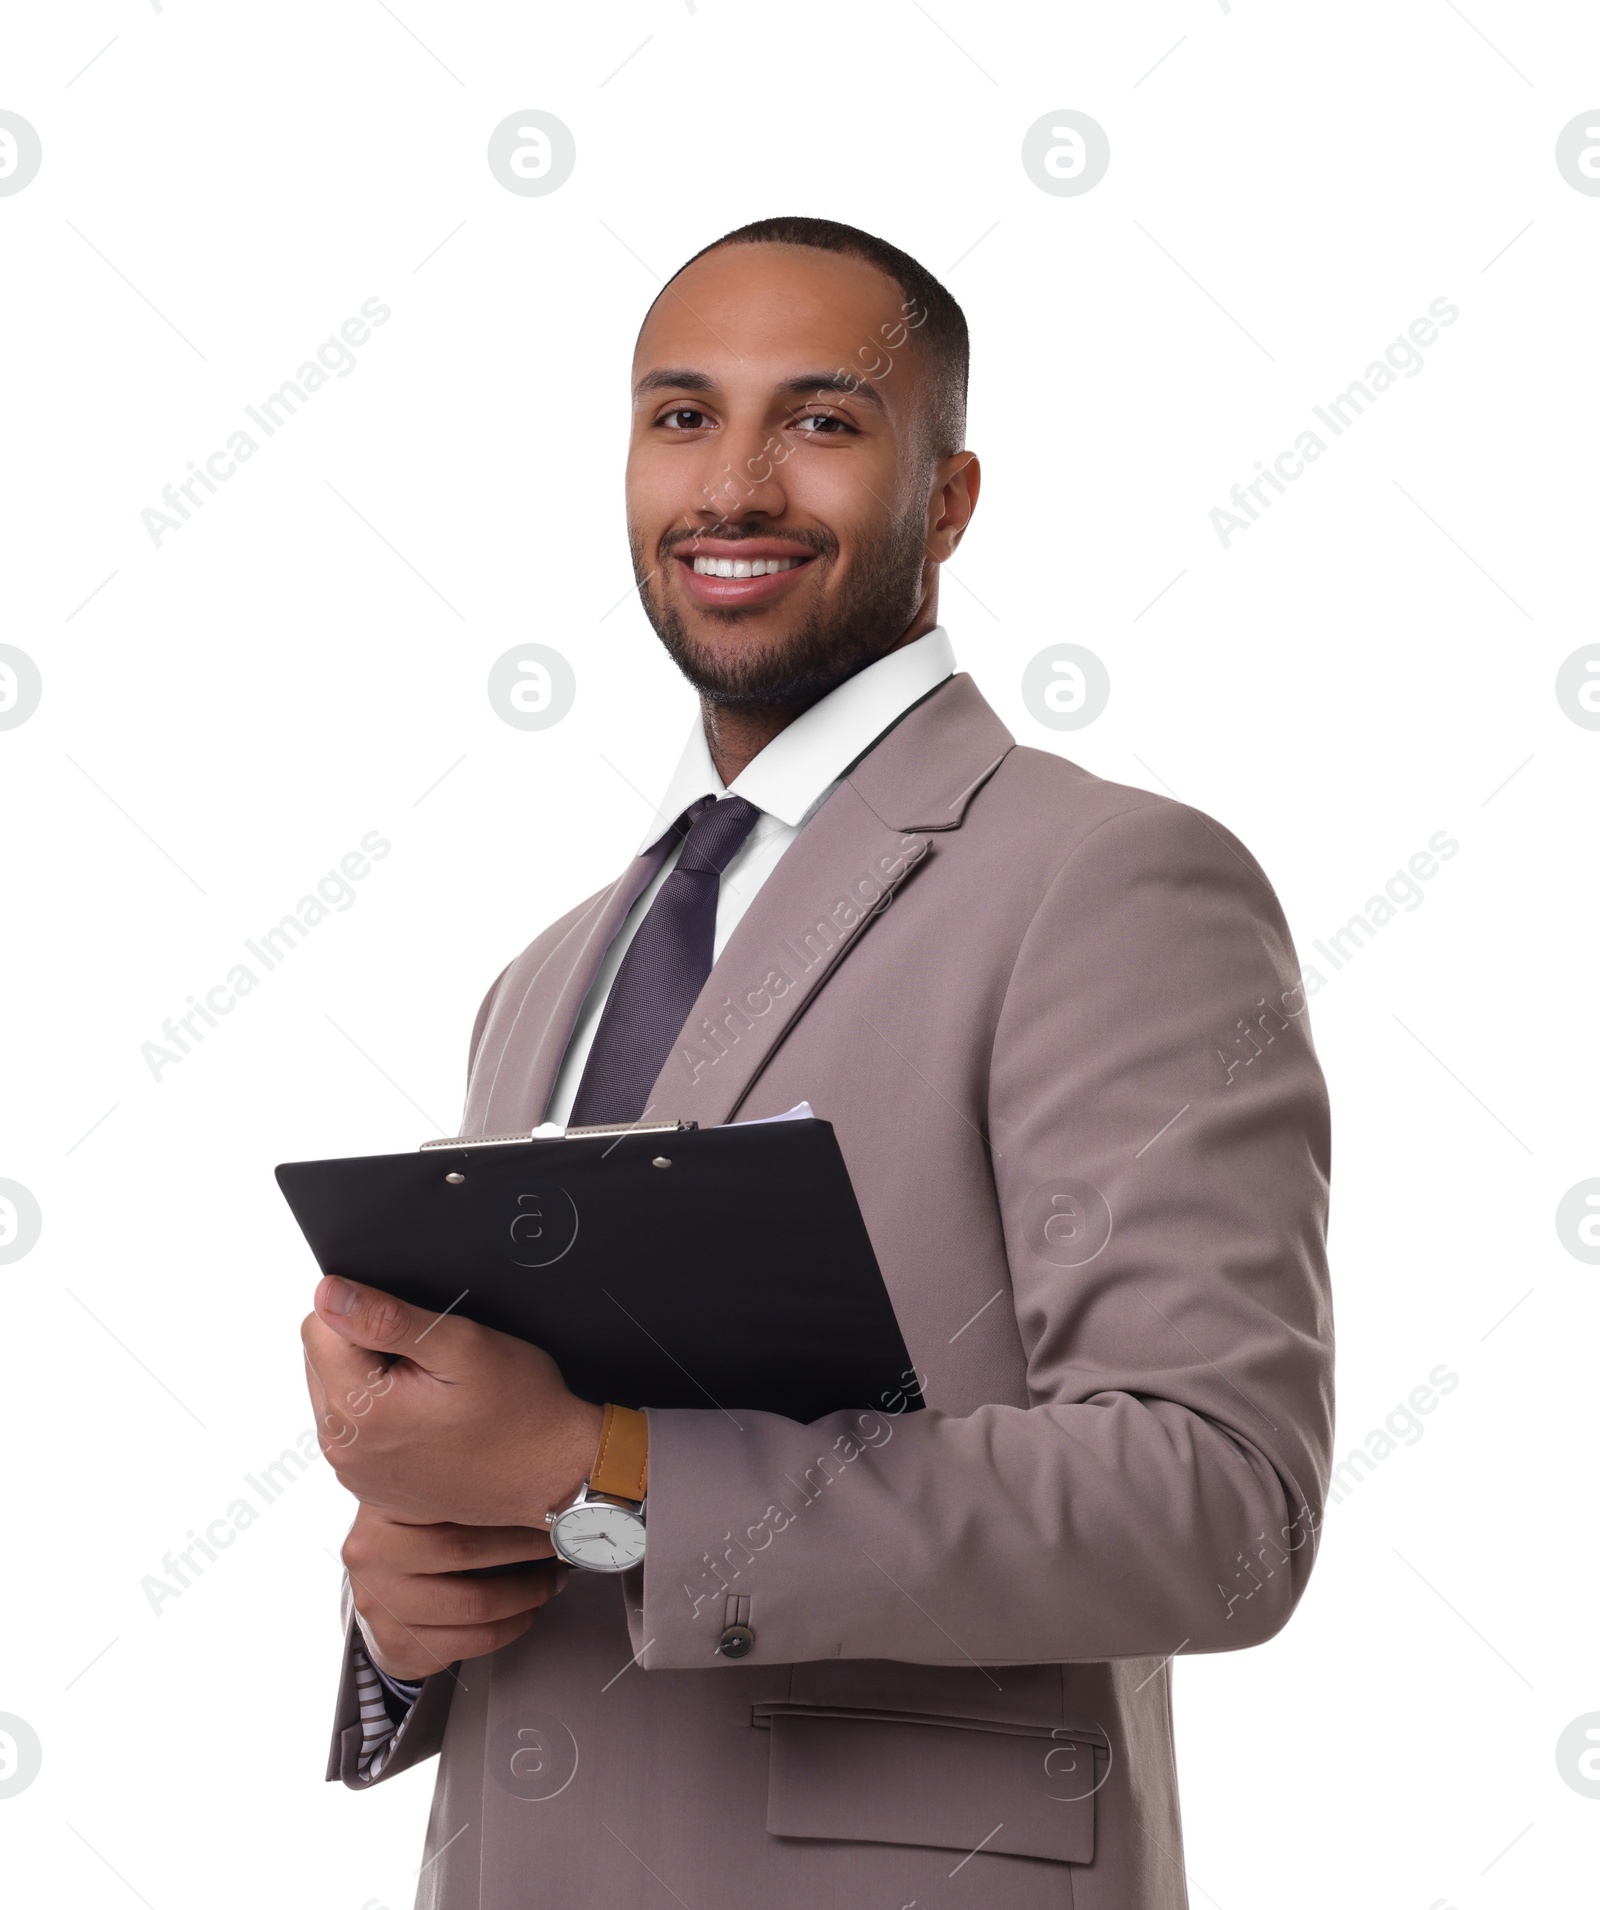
{"points": [[226, 715]]}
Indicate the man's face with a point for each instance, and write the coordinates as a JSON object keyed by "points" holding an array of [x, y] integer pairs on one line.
{"points": [[762, 442]]}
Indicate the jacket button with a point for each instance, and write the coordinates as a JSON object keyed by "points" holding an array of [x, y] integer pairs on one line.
{"points": [[738, 1641]]}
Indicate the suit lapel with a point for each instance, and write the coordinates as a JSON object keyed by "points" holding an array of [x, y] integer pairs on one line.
{"points": [[842, 867], [836, 877]]}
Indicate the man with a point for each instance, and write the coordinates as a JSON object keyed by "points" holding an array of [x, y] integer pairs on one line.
{"points": [[884, 1659]]}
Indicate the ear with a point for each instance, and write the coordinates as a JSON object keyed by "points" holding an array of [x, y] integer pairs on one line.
{"points": [[953, 499]]}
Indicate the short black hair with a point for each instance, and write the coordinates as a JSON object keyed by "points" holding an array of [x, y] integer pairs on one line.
{"points": [[934, 319]]}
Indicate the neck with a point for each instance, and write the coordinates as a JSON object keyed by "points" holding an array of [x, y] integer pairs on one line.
{"points": [[736, 735]]}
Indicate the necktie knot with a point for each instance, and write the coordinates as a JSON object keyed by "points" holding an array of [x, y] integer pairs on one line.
{"points": [[716, 830], [665, 967]]}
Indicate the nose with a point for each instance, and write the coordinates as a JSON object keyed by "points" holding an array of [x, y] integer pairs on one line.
{"points": [[743, 476]]}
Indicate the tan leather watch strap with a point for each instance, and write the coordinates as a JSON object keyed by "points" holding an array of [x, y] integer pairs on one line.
{"points": [[621, 1464]]}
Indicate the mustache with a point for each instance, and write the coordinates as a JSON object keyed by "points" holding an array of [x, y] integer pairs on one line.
{"points": [[821, 543]]}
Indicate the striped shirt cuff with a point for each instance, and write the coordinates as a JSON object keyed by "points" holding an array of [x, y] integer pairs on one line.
{"points": [[378, 1727]]}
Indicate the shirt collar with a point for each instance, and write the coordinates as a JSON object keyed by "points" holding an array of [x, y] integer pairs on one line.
{"points": [[801, 764]]}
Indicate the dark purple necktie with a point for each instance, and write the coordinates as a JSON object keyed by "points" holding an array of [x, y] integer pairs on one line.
{"points": [[665, 968]]}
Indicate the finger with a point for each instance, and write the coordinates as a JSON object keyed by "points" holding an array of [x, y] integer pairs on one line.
{"points": [[334, 1361], [411, 1655], [331, 1429], [314, 1385], [458, 1548], [350, 1379], [461, 1601], [381, 1552], [365, 1317], [398, 1615]]}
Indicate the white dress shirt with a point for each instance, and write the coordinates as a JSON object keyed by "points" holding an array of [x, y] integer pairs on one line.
{"points": [[788, 782]]}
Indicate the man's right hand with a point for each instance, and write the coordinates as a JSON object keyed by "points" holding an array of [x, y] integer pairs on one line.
{"points": [[427, 1595]]}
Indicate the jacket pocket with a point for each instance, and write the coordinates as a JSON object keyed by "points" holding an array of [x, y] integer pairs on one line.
{"points": [[946, 1783]]}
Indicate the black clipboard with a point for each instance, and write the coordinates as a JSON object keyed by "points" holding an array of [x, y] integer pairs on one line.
{"points": [[724, 1267]]}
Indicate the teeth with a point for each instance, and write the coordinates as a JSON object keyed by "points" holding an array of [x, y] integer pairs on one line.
{"points": [[742, 566]]}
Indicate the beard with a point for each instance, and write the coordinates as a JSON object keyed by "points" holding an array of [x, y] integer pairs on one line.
{"points": [[832, 643]]}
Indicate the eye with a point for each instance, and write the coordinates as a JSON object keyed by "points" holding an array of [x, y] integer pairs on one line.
{"points": [[682, 418], [826, 425]]}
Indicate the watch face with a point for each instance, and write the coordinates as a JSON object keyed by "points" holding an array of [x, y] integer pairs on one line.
{"points": [[599, 1537]]}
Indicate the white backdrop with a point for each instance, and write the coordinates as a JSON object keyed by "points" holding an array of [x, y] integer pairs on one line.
{"points": [[224, 714]]}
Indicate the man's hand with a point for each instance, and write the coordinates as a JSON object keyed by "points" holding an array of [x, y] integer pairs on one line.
{"points": [[437, 1421], [417, 1608]]}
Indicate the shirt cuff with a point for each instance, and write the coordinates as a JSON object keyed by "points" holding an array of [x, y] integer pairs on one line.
{"points": [[408, 1694], [384, 1704]]}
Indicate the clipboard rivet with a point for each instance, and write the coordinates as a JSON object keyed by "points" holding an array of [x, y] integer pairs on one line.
{"points": [[455, 1180], [661, 1161]]}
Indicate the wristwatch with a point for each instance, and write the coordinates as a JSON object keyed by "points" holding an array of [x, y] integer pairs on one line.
{"points": [[603, 1528]]}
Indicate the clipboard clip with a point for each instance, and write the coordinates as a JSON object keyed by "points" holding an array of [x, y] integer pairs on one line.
{"points": [[553, 1133]]}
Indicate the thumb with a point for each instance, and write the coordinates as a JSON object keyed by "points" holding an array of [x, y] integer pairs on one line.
{"points": [[365, 1317]]}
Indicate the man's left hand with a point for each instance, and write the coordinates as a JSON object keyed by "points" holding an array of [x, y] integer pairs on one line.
{"points": [[438, 1420]]}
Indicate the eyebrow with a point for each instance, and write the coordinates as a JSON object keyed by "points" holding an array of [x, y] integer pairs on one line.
{"points": [[681, 378], [839, 381], [673, 379]]}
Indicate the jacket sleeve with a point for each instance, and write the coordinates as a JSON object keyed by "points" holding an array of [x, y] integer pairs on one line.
{"points": [[368, 1745], [1159, 1144]]}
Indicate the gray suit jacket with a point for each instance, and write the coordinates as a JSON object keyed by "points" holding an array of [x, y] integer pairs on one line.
{"points": [[1057, 1024]]}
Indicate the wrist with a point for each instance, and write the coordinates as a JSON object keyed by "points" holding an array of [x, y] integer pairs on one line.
{"points": [[580, 1441], [602, 1529]]}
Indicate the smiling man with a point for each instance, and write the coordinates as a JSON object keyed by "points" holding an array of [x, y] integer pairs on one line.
{"points": [[887, 1658]]}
